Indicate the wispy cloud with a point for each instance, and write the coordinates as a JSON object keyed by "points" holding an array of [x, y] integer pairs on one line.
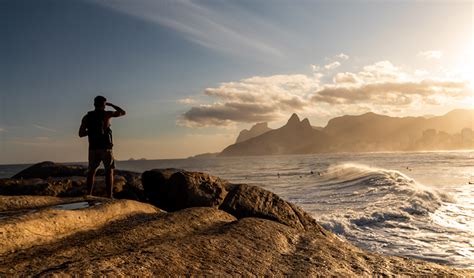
{"points": [[222, 29], [431, 54], [332, 65], [187, 100], [44, 128], [342, 56], [315, 68], [334, 62]]}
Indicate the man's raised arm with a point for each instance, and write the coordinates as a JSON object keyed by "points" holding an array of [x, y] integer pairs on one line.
{"points": [[118, 111]]}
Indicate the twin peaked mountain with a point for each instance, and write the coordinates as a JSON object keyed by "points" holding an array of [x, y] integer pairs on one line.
{"points": [[362, 133]]}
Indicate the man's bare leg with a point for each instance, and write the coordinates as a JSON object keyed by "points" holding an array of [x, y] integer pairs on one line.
{"points": [[90, 181], [109, 182]]}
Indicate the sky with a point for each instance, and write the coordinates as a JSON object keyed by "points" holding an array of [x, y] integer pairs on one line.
{"points": [[191, 74]]}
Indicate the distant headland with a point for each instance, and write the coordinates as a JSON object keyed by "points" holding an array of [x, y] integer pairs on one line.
{"points": [[368, 132]]}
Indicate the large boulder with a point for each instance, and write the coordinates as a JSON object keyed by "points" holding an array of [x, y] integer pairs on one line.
{"points": [[245, 200], [174, 189]]}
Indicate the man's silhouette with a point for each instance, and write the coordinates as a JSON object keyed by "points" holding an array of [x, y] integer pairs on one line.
{"points": [[96, 125]]}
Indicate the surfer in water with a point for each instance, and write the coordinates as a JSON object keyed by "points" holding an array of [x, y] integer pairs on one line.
{"points": [[96, 126]]}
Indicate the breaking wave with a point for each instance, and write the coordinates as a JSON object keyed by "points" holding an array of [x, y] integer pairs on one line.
{"points": [[393, 195], [381, 210]]}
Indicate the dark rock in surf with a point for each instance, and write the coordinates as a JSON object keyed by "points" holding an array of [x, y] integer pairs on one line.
{"points": [[51, 187], [60, 186], [49, 169], [54, 179]]}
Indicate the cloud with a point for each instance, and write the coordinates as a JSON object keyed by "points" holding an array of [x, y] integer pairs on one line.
{"points": [[253, 99], [346, 77], [420, 72], [431, 54], [383, 83], [390, 93], [315, 68], [210, 26], [381, 71], [379, 87], [222, 114], [186, 101], [3, 129], [332, 65], [342, 56]]}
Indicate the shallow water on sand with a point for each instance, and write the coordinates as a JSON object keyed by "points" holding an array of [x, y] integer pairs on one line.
{"points": [[75, 206], [419, 205]]}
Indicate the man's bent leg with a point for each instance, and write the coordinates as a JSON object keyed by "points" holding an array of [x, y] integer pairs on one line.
{"points": [[90, 180], [94, 162], [109, 165], [109, 182]]}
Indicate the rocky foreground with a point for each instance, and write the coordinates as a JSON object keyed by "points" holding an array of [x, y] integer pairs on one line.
{"points": [[171, 222]]}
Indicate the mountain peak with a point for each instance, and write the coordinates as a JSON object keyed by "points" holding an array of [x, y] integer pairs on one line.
{"points": [[306, 124], [255, 130], [294, 120], [258, 126]]}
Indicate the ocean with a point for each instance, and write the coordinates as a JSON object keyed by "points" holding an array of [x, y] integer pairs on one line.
{"points": [[418, 205]]}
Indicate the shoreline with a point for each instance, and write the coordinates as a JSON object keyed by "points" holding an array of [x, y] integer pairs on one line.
{"points": [[254, 156]]}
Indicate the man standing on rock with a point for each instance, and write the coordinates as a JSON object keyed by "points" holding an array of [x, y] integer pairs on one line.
{"points": [[96, 125]]}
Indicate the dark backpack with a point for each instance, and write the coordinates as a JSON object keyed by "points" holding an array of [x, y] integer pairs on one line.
{"points": [[100, 135]]}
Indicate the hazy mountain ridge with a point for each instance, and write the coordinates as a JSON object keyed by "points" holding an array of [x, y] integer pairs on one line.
{"points": [[366, 132], [284, 140], [255, 130]]}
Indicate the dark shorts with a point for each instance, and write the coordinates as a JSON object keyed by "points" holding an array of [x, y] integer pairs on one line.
{"points": [[98, 156]]}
